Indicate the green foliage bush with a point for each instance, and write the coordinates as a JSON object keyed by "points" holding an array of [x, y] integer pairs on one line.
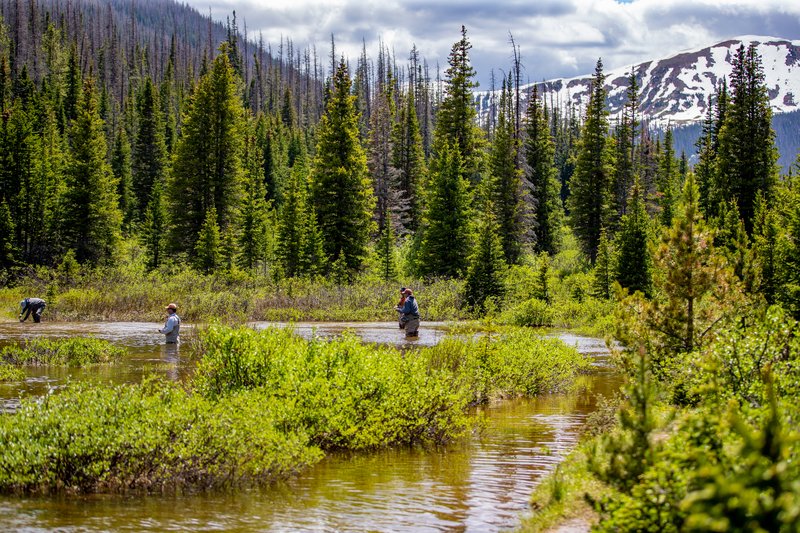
{"points": [[77, 351], [533, 313], [10, 373], [153, 437], [351, 395]]}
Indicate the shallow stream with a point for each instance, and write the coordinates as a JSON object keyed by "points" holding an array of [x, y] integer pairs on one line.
{"points": [[482, 484]]}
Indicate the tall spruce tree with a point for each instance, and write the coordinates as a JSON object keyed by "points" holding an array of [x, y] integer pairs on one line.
{"points": [[487, 265], [590, 187], [408, 157], [446, 231], [625, 133], [341, 189], [603, 267], [505, 190], [747, 157], [149, 156], [208, 169], [253, 218], [121, 167], [667, 185], [634, 265], [455, 118], [154, 228], [541, 175], [208, 249], [91, 217]]}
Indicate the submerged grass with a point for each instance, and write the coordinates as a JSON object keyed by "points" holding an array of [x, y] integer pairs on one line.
{"points": [[265, 403]]}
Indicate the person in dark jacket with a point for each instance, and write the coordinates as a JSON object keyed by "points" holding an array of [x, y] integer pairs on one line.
{"points": [[400, 304], [31, 306], [410, 314]]}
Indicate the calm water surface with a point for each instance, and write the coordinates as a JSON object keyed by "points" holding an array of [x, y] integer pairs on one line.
{"points": [[482, 484]]}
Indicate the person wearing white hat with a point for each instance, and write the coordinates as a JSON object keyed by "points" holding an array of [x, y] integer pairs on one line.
{"points": [[172, 326]]}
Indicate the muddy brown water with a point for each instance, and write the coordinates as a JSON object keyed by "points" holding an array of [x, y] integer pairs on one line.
{"points": [[480, 484]]}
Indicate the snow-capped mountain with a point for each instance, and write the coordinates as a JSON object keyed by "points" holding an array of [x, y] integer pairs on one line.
{"points": [[676, 89]]}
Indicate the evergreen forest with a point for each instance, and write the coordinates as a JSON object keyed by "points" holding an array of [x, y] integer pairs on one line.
{"points": [[147, 152]]}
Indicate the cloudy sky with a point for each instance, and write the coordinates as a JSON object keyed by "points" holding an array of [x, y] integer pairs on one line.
{"points": [[556, 38]]}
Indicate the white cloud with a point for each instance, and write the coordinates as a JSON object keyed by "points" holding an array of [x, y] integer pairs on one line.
{"points": [[557, 38]]}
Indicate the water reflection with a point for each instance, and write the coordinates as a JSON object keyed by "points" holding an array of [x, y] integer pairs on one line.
{"points": [[481, 484]]}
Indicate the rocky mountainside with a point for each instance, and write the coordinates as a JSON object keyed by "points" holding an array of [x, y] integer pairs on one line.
{"points": [[675, 89]]}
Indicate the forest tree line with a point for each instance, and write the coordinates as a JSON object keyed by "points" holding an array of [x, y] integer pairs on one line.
{"points": [[226, 158]]}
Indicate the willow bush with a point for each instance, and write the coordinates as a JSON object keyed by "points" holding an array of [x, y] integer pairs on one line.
{"points": [[77, 351], [154, 436]]}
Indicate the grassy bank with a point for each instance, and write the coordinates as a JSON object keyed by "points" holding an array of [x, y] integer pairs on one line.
{"points": [[78, 351]]}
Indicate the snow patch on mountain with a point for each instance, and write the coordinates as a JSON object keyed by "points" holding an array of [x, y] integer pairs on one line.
{"points": [[676, 89]]}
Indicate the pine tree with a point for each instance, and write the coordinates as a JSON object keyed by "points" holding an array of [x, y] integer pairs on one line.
{"points": [[590, 186], [541, 174], [91, 217], [408, 157], [254, 221], [341, 189], [667, 180], [747, 157], [149, 159], [625, 134], [154, 228], [121, 167], [789, 247], [379, 150], [314, 262], [695, 289], [634, 265], [731, 238], [455, 118], [446, 234], [505, 181], [487, 265], [208, 250], [207, 171], [765, 250], [292, 223], [603, 267], [384, 249], [8, 252]]}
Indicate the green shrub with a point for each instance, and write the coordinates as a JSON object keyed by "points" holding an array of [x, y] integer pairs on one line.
{"points": [[77, 351], [153, 437], [10, 373], [344, 393], [532, 312]]}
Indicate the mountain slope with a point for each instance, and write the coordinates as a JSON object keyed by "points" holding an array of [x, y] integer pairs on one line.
{"points": [[676, 89]]}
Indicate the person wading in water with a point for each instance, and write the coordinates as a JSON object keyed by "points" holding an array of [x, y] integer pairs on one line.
{"points": [[172, 326], [410, 314]]}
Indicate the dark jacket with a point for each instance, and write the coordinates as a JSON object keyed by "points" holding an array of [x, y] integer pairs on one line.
{"points": [[410, 308]]}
